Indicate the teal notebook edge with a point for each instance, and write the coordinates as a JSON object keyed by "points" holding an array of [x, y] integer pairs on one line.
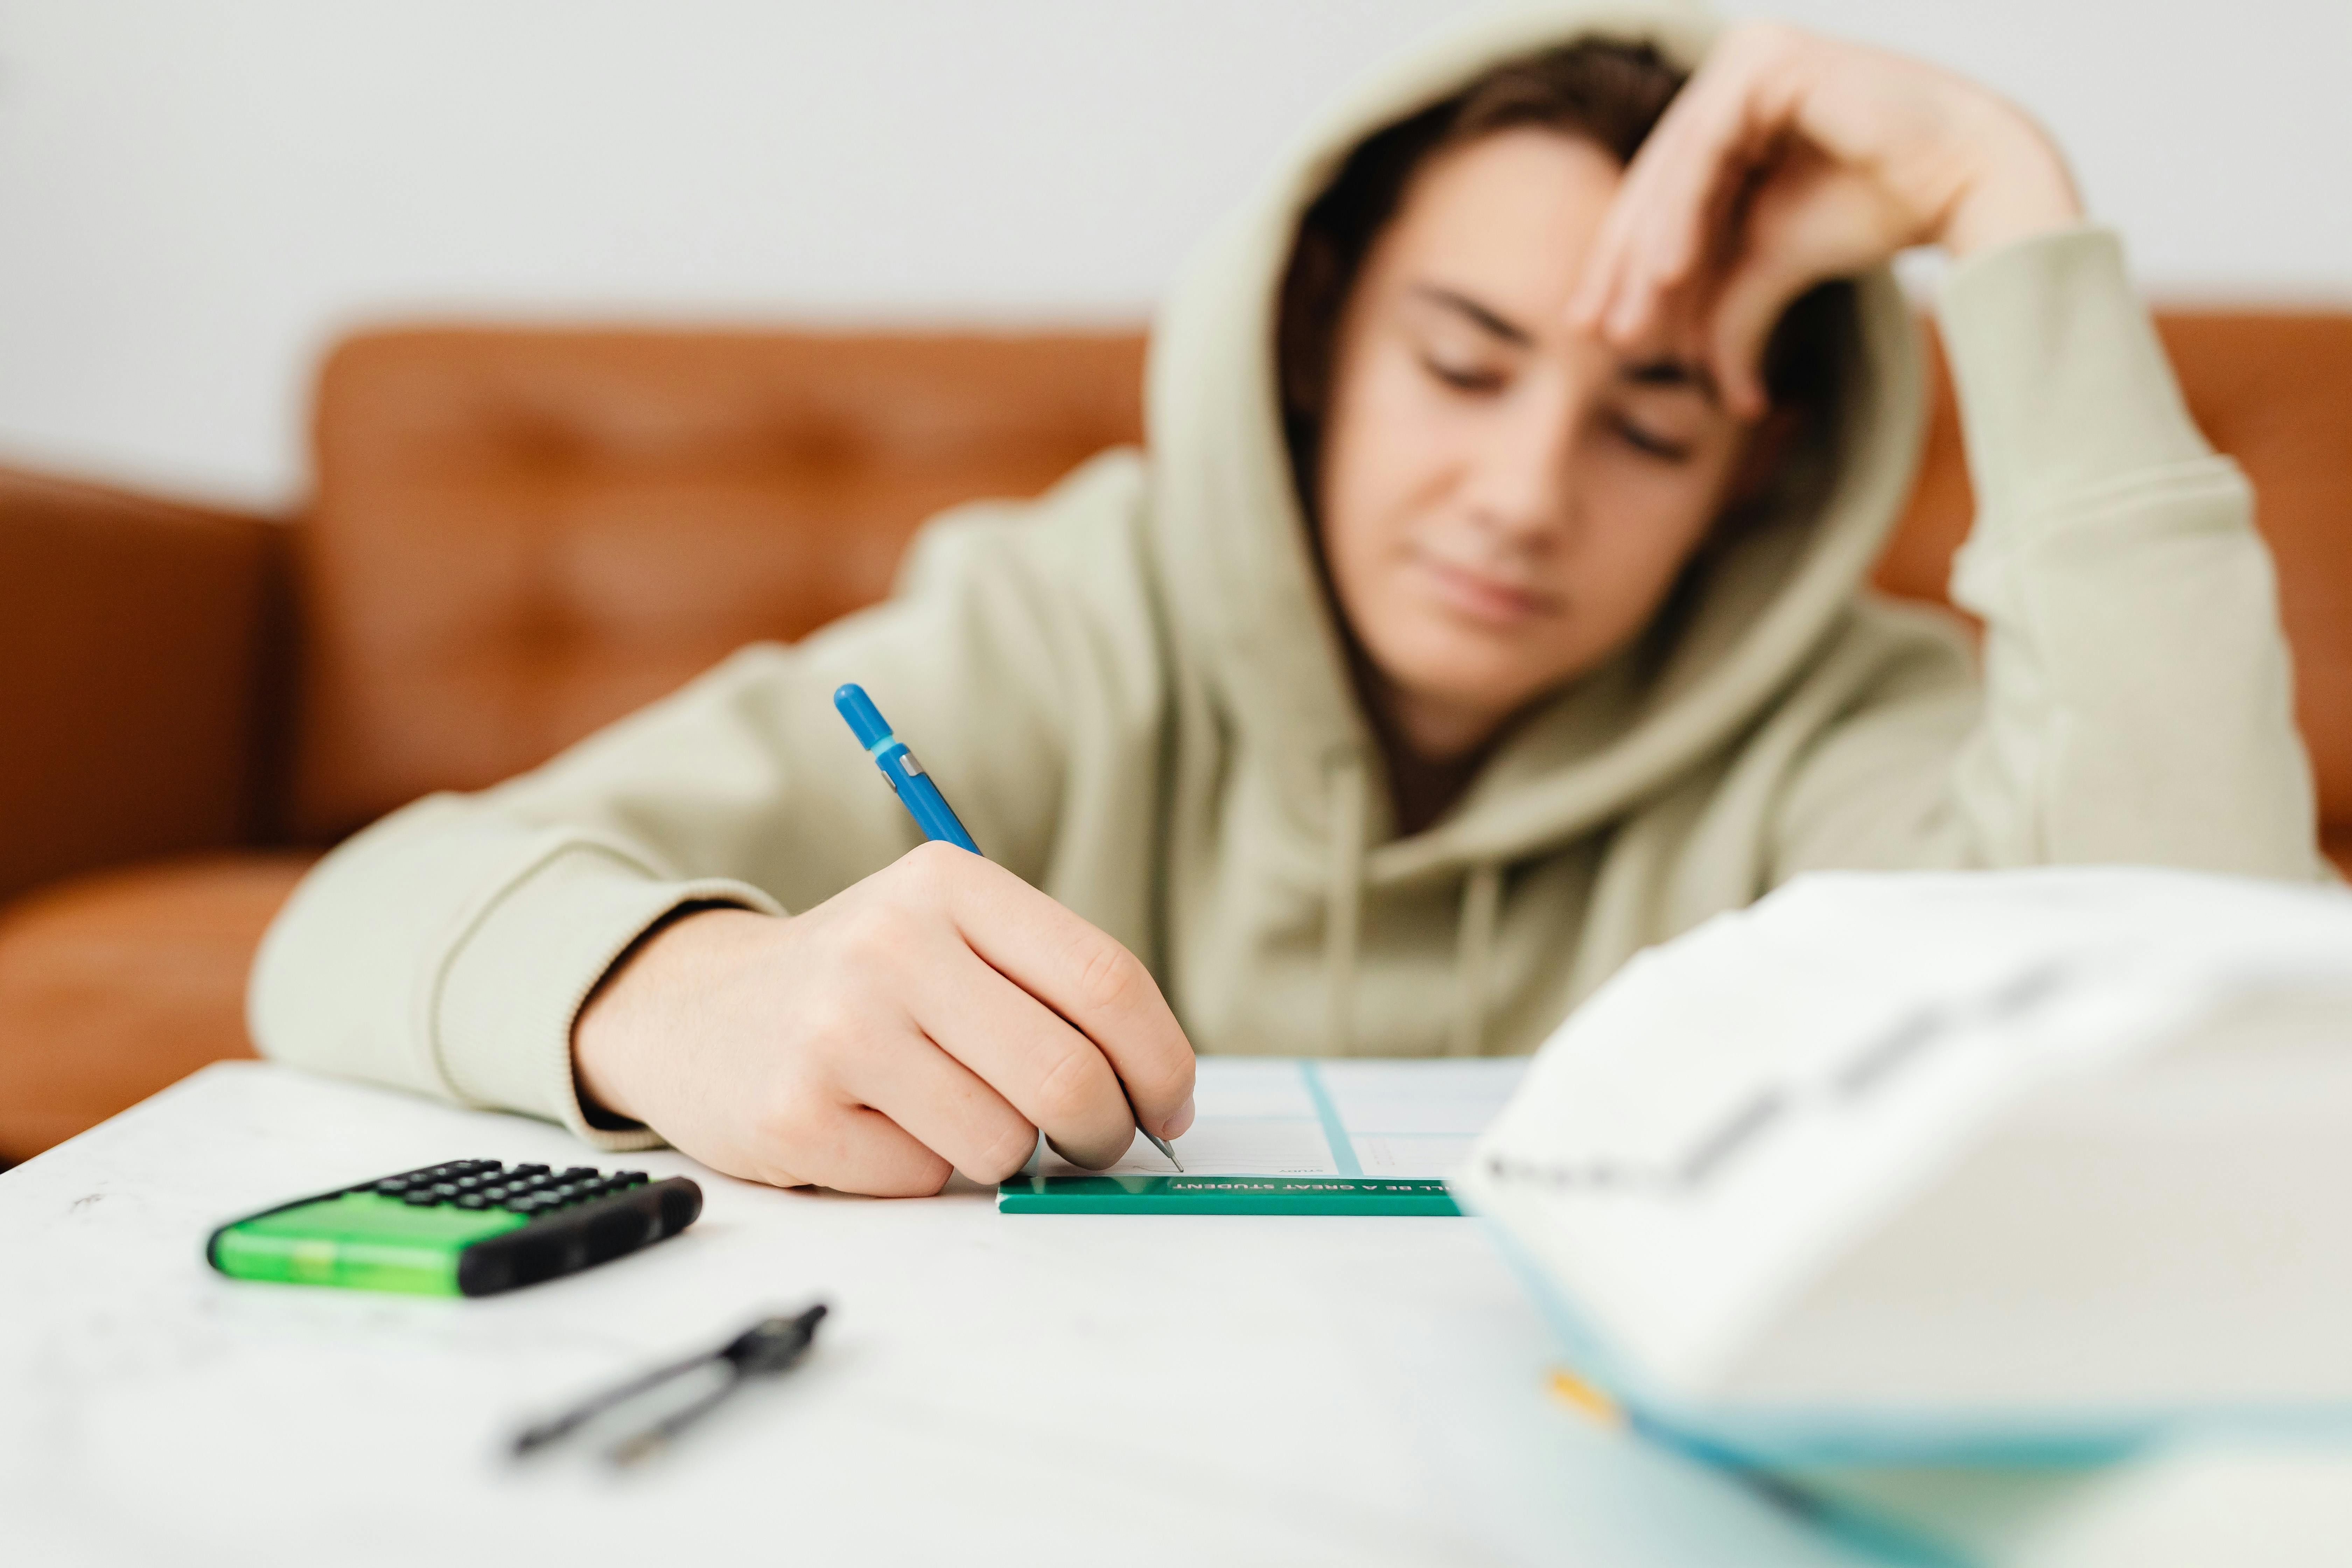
{"points": [[1223, 1195]]}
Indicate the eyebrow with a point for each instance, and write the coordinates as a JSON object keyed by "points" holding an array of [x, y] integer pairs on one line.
{"points": [[1502, 327], [1663, 371]]}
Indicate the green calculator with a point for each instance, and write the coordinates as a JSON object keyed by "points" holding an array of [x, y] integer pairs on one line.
{"points": [[464, 1227]]}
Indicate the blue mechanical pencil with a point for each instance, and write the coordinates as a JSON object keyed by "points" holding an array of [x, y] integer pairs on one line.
{"points": [[927, 806]]}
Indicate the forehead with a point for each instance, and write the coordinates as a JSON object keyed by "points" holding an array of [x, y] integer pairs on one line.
{"points": [[1509, 214]]}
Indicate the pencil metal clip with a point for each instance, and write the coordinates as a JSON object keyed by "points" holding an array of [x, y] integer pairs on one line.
{"points": [[768, 1347]]}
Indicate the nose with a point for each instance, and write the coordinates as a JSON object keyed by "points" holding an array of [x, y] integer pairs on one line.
{"points": [[1520, 489]]}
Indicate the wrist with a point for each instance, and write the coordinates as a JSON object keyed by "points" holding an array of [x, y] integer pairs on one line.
{"points": [[2017, 185], [633, 1011]]}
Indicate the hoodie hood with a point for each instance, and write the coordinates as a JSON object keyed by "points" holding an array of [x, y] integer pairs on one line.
{"points": [[1248, 612]]}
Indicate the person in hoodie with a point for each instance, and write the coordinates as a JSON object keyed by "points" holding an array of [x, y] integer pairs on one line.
{"points": [[1488, 605]]}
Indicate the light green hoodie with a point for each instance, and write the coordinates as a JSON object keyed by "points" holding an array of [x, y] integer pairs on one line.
{"points": [[1134, 692]]}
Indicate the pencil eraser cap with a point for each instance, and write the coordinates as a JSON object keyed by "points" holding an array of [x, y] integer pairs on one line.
{"points": [[866, 721]]}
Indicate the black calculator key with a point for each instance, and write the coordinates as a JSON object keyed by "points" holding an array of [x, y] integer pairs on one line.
{"points": [[422, 1198], [444, 1189], [497, 1195], [578, 1173], [473, 1201], [531, 1169]]}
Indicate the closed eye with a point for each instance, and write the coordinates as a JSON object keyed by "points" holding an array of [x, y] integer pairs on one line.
{"points": [[1652, 444], [1463, 378]]}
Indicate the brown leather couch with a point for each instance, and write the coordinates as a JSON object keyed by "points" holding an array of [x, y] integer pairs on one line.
{"points": [[519, 535]]}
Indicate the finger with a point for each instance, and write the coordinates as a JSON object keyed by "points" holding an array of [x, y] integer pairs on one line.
{"points": [[1813, 223], [1684, 180], [1078, 971], [1609, 259], [1690, 194], [943, 1105], [1745, 314], [856, 1148], [1044, 1071]]}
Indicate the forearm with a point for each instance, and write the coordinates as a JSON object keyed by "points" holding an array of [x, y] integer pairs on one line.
{"points": [[2137, 686], [447, 950]]}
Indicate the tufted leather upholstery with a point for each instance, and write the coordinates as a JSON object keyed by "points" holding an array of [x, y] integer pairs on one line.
{"points": [[519, 535], [135, 643], [116, 984]]}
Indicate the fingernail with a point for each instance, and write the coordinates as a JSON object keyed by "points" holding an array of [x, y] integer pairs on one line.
{"points": [[1176, 1125]]}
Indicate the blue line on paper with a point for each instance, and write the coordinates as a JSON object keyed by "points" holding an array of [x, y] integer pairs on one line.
{"points": [[1335, 1131]]}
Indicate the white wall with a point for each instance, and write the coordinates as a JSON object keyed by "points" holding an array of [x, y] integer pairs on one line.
{"points": [[197, 196]]}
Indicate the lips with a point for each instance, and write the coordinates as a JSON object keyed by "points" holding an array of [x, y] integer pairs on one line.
{"points": [[1480, 596]]}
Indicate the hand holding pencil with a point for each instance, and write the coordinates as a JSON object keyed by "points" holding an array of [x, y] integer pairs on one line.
{"points": [[933, 1017]]}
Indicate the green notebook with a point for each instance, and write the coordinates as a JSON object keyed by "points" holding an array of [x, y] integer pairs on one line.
{"points": [[1282, 1136]]}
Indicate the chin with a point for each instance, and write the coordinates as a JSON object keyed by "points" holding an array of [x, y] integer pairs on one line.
{"points": [[1461, 669]]}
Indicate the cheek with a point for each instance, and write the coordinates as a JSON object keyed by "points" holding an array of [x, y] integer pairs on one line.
{"points": [[1644, 518], [1390, 456]]}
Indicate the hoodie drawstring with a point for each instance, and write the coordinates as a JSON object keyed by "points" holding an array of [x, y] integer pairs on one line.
{"points": [[1344, 909], [1482, 897]]}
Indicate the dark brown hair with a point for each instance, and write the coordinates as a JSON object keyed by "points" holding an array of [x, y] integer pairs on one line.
{"points": [[1609, 92]]}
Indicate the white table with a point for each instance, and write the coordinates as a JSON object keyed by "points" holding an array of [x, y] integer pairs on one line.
{"points": [[1049, 1389], [1043, 1389]]}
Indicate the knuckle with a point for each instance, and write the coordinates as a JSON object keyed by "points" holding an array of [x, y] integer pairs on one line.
{"points": [[875, 932], [1110, 978], [1004, 1153], [906, 1179], [827, 1020], [1769, 39], [934, 866], [919, 1178], [787, 1127], [1066, 1094], [1166, 1084]]}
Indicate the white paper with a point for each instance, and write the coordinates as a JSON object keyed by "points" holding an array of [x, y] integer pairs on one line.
{"points": [[1276, 1117]]}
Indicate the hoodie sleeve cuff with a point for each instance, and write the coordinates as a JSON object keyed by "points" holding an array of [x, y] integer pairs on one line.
{"points": [[503, 1013], [2063, 386]]}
